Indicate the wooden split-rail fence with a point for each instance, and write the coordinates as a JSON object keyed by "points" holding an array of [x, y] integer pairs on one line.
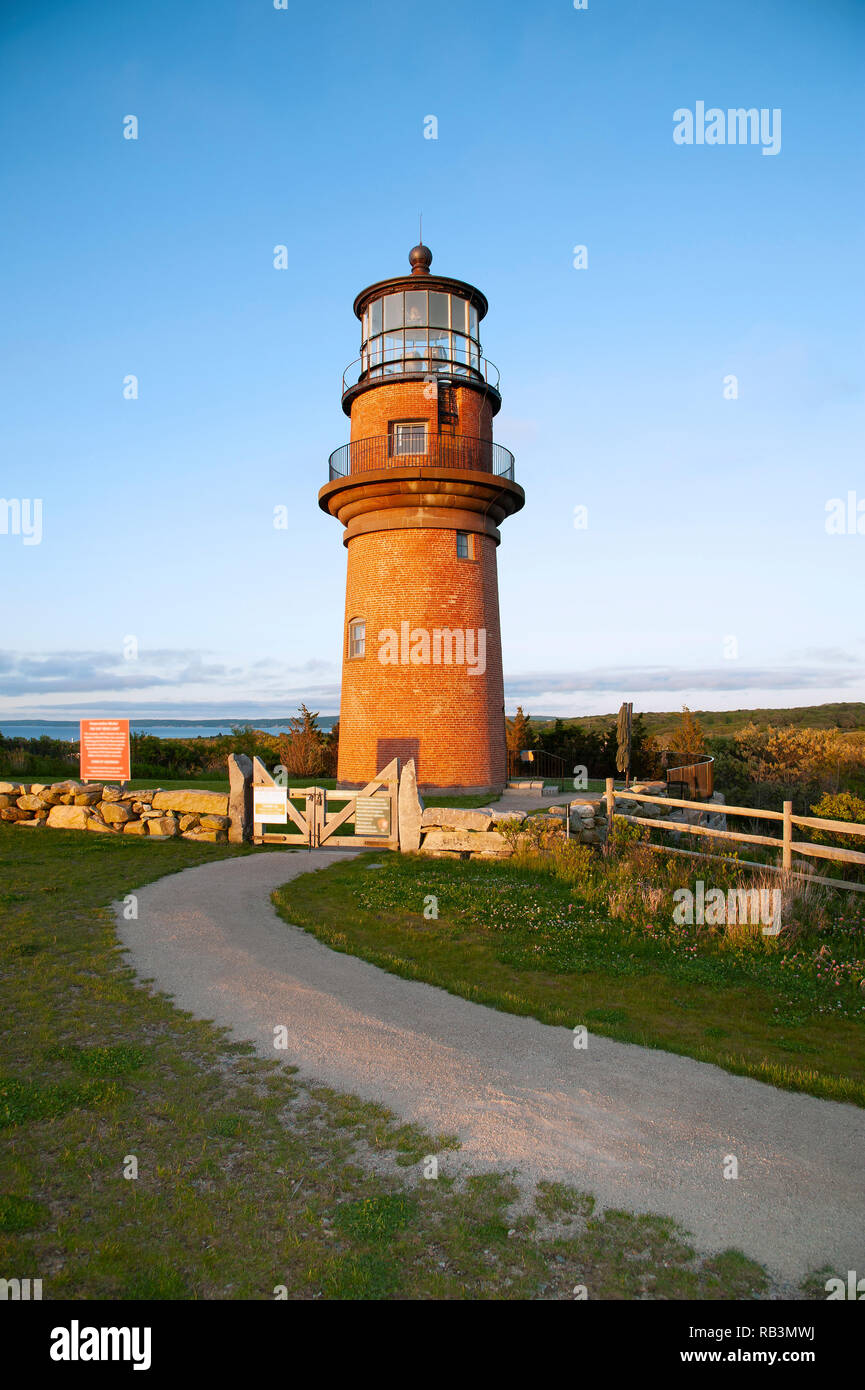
{"points": [[785, 842]]}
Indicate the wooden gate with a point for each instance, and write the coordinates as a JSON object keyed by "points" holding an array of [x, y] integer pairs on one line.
{"points": [[372, 811]]}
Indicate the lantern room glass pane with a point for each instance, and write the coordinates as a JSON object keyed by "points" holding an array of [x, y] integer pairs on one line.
{"points": [[473, 321], [439, 344], [438, 310], [416, 350], [375, 316], [461, 354], [393, 311], [394, 348], [415, 308], [458, 314]]}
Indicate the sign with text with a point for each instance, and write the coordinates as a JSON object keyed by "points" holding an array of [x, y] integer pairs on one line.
{"points": [[372, 815], [270, 805], [104, 755]]}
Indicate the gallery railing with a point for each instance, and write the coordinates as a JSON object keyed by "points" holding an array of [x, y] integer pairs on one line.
{"points": [[403, 362], [432, 450]]}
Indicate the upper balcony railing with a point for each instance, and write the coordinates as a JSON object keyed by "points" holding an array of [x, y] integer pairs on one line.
{"points": [[462, 363], [431, 450]]}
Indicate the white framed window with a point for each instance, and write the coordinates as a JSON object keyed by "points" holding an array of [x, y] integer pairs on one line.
{"points": [[408, 437], [465, 545], [356, 638]]}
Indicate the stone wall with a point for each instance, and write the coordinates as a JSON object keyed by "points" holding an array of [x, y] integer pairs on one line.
{"points": [[451, 832], [455, 833], [109, 810], [716, 820]]}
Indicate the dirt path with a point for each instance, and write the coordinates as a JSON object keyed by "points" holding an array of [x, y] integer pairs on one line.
{"points": [[641, 1129]]}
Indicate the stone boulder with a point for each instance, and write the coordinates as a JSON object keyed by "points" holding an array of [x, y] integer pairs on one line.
{"points": [[88, 796], [462, 841], [239, 798], [410, 808], [163, 827], [135, 827], [32, 801], [114, 812], [211, 803], [69, 817], [455, 818], [52, 797]]}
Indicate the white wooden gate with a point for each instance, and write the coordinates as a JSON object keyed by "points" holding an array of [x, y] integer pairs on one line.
{"points": [[372, 811]]}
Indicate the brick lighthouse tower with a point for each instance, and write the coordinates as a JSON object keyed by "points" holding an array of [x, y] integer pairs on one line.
{"points": [[421, 490]]}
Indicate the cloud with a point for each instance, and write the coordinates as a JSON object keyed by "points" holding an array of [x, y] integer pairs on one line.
{"points": [[178, 682], [76, 673], [731, 676]]}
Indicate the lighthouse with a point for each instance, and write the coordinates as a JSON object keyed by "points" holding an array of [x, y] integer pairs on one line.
{"points": [[421, 490]]}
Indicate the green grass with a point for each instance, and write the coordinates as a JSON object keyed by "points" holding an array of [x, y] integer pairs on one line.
{"points": [[248, 1181], [524, 942]]}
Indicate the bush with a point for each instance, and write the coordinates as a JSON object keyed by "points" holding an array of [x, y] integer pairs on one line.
{"points": [[841, 806]]}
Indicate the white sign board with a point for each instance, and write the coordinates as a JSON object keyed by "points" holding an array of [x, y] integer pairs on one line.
{"points": [[270, 805]]}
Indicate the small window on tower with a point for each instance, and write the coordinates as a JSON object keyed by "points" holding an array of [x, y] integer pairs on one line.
{"points": [[465, 547], [408, 437], [356, 638]]}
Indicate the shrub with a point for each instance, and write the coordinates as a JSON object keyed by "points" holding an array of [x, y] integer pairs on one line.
{"points": [[840, 806]]}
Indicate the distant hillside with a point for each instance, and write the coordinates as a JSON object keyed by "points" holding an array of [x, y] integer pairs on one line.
{"points": [[664, 724]]}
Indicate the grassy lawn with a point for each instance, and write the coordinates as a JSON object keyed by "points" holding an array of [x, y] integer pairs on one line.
{"points": [[526, 942], [247, 1179]]}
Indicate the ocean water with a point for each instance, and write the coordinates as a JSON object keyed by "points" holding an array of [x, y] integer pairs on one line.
{"points": [[58, 729]]}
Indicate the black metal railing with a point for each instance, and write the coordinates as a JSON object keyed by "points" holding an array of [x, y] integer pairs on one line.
{"points": [[398, 363], [536, 764], [693, 779], [439, 451]]}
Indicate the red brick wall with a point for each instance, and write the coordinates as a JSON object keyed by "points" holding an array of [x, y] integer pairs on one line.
{"points": [[373, 411], [453, 722]]}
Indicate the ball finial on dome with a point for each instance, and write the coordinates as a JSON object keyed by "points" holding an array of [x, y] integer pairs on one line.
{"points": [[420, 259]]}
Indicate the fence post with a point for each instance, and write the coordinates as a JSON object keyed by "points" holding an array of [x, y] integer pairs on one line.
{"points": [[610, 799], [787, 851]]}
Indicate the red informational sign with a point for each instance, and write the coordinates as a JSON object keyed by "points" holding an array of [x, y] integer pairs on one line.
{"points": [[105, 750]]}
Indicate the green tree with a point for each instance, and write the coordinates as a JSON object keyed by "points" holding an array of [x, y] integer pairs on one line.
{"points": [[519, 731], [688, 737], [302, 751]]}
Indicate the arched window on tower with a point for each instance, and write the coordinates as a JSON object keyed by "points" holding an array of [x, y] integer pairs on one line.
{"points": [[357, 638]]}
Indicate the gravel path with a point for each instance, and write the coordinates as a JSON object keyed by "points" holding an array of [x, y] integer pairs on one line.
{"points": [[644, 1130]]}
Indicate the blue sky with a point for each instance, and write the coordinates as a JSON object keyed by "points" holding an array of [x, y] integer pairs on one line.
{"points": [[706, 529]]}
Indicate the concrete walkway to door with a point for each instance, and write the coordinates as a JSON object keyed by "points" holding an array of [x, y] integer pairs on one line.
{"points": [[641, 1129]]}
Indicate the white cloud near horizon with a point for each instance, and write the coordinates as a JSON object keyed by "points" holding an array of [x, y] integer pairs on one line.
{"points": [[187, 683]]}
